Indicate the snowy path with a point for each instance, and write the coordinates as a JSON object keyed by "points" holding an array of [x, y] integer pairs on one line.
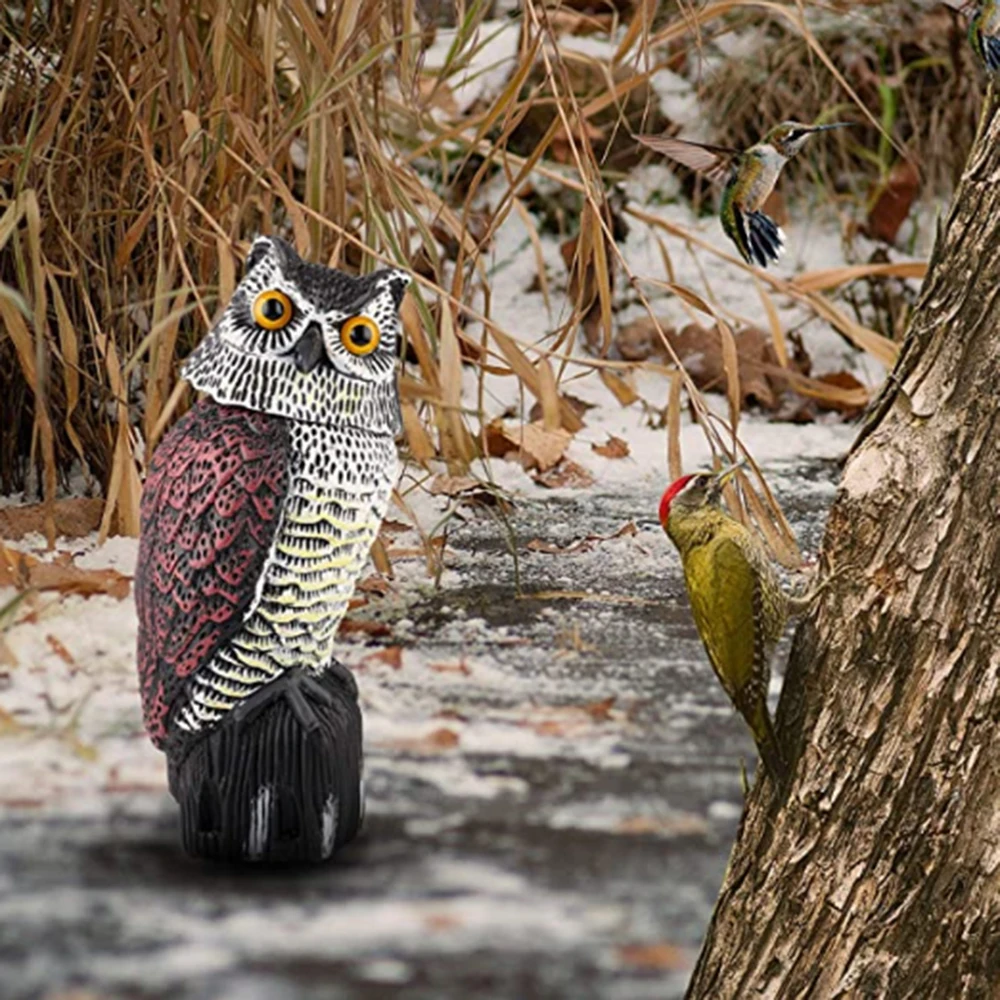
{"points": [[553, 786]]}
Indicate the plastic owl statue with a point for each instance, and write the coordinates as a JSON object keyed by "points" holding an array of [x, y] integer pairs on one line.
{"points": [[258, 513]]}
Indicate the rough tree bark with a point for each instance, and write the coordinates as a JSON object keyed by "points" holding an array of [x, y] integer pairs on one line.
{"points": [[879, 876]]}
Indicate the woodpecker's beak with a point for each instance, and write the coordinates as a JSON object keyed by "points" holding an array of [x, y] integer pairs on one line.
{"points": [[727, 472]]}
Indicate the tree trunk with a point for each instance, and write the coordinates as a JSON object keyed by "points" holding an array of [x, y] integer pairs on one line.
{"points": [[879, 876]]}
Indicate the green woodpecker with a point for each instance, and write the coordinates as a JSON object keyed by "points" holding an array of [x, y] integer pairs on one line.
{"points": [[749, 177], [736, 599]]}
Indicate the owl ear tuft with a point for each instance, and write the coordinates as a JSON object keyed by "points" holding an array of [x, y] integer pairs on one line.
{"points": [[397, 282], [261, 247]]}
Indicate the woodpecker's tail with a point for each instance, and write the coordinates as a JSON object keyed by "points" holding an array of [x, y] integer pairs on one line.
{"points": [[767, 744], [279, 778], [762, 238]]}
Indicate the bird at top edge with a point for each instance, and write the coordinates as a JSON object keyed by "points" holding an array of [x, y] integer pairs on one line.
{"points": [[984, 29], [749, 177]]}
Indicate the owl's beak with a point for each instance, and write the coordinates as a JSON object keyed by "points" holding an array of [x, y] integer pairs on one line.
{"points": [[309, 350]]}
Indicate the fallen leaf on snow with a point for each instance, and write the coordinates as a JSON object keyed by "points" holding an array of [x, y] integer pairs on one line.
{"points": [[639, 341], [614, 447], [571, 720], [23, 571], [374, 584], [361, 626], [661, 956], [536, 447], [75, 517], [391, 656], [393, 527], [586, 595], [471, 491], [567, 474], [600, 711], [9, 726], [577, 405], [842, 380], [441, 922], [678, 825], [60, 650], [449, 486], [436, 741], [457, 667], [583, 544]]}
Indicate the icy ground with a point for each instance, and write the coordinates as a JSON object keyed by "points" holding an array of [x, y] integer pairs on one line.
{"points": [[553, 781]]}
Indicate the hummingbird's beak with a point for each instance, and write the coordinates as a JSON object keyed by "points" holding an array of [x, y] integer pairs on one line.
{"points": [[826, 128]]}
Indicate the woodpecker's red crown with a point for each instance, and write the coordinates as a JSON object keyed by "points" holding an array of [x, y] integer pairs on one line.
{"points": [[671, 491]]}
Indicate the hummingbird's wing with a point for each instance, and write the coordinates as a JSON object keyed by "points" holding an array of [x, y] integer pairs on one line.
{"points": [[715, 162]]}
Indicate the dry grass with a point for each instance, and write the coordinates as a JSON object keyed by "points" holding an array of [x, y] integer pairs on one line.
{"points": [[146, 143]]}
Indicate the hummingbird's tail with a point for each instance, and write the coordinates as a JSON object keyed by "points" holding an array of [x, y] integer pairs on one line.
{"points": [[765, 239], [757, 236]]}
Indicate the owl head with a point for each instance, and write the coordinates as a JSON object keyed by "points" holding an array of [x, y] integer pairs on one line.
{"points": [[306, 342]]}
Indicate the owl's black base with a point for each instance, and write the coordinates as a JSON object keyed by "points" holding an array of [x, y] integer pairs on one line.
{"points": [[279, 779]]}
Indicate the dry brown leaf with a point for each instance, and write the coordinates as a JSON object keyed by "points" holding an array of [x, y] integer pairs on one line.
{"points": [[640, 340], [614, 447], [677, 825], [456, 667], [60, 650], [570, 720], [361, 626], [390, 526], [893, 202], [840, 380], [23, 571], [374, 584], [663, 956], [585, 595], [75, 517], [566, 475], [600, 711], [584, 544], [439, 922], [391, 656], [436, 741], [449, 486], [9, 726], [622, 391], [536, 447], [574, 403]]}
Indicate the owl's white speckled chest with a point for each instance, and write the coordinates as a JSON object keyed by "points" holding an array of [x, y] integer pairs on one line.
{"points": [[340, 482]]}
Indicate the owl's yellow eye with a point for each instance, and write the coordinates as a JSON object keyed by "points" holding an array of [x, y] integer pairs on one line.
{"points": [[272, 309], [360, 335]]}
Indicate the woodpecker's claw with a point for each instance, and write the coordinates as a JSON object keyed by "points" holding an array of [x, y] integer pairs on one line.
{"points": [[799, 604]]}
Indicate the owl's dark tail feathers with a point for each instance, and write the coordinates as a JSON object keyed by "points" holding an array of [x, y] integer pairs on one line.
{"points": [[279, 779]]}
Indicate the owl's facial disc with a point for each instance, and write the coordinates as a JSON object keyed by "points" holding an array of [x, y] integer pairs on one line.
{"points": [[308, 342]]}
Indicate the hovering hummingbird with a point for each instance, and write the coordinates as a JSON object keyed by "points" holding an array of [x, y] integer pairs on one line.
{"points": [[749, 177], [984, 29]]}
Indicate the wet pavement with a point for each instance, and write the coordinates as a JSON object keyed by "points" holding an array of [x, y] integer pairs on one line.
{"points": [[553, 788]]}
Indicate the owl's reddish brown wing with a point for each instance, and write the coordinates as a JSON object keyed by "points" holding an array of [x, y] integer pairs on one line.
{"points": [[210, 509]]}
